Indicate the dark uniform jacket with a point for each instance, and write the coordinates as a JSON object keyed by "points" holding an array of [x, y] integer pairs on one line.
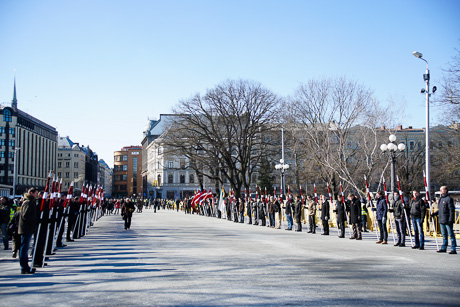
{"points": [[325, 211], [340, 211], [398, 209], [417, 208]]}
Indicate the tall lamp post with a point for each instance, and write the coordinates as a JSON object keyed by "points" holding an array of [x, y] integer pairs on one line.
{"points": [[391, 148], [426, 90], [282, 166], [16, 150]]}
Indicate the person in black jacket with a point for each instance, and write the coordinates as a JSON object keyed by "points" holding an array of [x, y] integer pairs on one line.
{"points": [[354, 207], [417, 214], [446, 218], [341, 215], [4, 220], [325, 214], [400, 220], [298, 213]]}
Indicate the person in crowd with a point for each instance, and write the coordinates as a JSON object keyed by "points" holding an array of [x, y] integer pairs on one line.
{"points": [[4, 220], [341, 215], [311, 207], [354, 207], [26, 228], [381, 213], [417, 215], [288, 212], [364, 214], [127, 212], [325, 214], [400, 220], [446, 218], [298, 213]]}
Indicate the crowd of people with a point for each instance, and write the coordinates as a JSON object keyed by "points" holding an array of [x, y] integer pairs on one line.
{"points": [[405, 217], [37, 216]]}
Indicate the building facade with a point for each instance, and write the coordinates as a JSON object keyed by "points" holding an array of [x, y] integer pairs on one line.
{"points": [[127, 172], [71, 164], [28, 150], [105, 178]]}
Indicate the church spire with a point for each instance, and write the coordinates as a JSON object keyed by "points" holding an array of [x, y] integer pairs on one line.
{"points": [[14, 103]]}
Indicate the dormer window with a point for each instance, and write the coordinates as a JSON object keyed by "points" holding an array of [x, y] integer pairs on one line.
{"points": [[6, 115]]}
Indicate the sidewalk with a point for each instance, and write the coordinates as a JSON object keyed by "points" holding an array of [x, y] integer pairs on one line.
{"points": [[172, 259]]}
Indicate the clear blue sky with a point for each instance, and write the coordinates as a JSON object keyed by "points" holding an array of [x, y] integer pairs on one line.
{"points": [[97, 69]]}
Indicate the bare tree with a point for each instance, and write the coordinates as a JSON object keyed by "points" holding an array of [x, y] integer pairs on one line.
{"points": [[223, 130], [338, 122]]}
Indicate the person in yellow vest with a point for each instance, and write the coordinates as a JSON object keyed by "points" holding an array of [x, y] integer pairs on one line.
{"points": [[364, 216]]}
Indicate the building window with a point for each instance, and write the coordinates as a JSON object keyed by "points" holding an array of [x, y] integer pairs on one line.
{"points": [[170, 178], [159, 179], [2, 142], [124, 177], [191, 178], [123, 187], [182, 163], [115, 168], [75, 175], [125, 167], [170, 164], [182, 178], [411, 145], [12, 131], [2, 130], [67, 175], [75, 164], [59, 164], [59, 174], [6, 115], [76, 155], [125, 158], [11, 154], [11, 143], [67, 164]]}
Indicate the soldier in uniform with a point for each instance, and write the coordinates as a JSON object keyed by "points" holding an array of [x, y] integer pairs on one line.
{"points": [[354, 207], [298, 213]]}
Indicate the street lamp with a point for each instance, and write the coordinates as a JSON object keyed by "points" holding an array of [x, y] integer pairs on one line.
{"points": [[391, 148], [282, 166], [426, 77], [16, 150]]}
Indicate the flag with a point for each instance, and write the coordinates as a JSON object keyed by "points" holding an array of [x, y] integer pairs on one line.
{"points": [[221, 200]]}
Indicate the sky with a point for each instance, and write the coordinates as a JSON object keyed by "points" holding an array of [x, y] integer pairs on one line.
{"points": [[97, 70]]}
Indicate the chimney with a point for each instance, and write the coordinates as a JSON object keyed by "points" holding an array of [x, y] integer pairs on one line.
{"points": [[410, 127], [400, 127], [383, 127]]}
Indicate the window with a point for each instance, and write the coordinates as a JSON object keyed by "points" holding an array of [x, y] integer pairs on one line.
{"points": [[12, 131], [124, 177], [59, 164], [75, 175], [2, 142], [67, 175], [123, 187], [170, 164], [411, 145], [116, 158], [67, 164], [125, 158], [59, 174], [182, 178], [159, 179], [125, 167], [60, 155], [115, 168], [75, 164], [11, 143], [191, 178], [182, 163], [76, 155], [6, 115], [170, 178], [11, 154], [2, 130]]}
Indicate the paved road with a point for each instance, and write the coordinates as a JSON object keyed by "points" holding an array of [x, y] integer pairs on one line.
{"points": [[173, 259]]}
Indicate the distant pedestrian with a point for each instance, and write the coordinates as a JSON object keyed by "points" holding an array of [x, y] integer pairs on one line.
{"points": [[417, 214], [127, 212], [325, 214], [26, 228], [381, 212], [446, 217]]}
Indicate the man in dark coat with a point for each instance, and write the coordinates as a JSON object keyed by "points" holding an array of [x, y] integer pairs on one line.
{"points": [[400, 220], [341, 215], [325, 214], [26, 228], [446, 218], [417, 214], [40, 236], [72, 217], [298, 213], [249, 211], [4, 220], [354, 207], [381, 213]]}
